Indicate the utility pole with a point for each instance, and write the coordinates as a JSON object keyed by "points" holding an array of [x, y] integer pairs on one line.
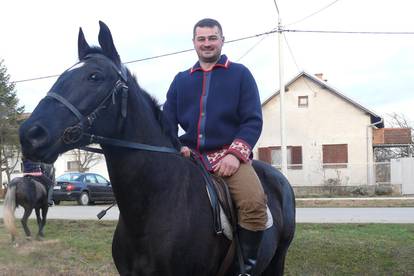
{"points": [[282, 100]]}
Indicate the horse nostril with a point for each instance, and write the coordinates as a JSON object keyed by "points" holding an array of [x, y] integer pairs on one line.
{"points": [[37, 136]]}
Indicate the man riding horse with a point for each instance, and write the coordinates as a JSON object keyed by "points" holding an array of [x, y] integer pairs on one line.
{"points": [[44, 173], [217, 104]]}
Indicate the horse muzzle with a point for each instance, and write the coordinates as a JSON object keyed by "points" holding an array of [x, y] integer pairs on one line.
{"points": [[35, 142]]}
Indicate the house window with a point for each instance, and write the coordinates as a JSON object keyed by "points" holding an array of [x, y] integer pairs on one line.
{"points": [[273, 155], [73, 165], [303, 101], [335, 156]]}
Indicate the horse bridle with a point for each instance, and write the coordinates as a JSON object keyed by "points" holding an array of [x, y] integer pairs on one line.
{"points": [[75, 133]]}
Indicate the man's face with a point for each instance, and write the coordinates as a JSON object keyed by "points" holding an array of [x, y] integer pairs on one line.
{"points": [[208, 43]]}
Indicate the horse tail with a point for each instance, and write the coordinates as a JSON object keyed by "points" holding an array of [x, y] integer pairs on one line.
{"points": [[8, 210]]}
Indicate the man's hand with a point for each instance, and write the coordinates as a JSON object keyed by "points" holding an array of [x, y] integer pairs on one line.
{"points": [[227, 166], [185, 151]]}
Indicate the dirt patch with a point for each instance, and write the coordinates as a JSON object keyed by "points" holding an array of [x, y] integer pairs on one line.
{"points": [[25, 247]]}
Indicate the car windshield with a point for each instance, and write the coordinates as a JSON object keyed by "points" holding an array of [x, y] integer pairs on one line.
{"points": [[69, 177]]}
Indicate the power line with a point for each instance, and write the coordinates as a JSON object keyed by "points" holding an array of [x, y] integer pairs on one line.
{"points": [[159, 56], [348, 32], [38, 78], [277, 8], [312, 14], [297, 66], [254, 46], [240, 39], [291, 52]]}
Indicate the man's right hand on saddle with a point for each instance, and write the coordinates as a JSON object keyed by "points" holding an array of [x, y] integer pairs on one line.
{"points": [[227, 166], [185, 151]]}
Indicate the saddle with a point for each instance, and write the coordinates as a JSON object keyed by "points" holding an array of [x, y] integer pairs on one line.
{"points": [[35, 177], [224, 215]]}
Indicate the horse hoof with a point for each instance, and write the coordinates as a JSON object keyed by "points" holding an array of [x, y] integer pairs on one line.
{"points": [[29, 238], [15, 244]]}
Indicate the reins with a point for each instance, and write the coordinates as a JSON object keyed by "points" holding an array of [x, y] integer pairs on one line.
{"points": [[125, 144]]}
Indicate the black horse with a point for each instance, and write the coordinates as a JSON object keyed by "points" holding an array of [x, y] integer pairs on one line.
{"points": [[165, 225], [30, 194]]}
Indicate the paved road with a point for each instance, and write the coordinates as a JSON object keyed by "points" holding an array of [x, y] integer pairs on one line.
{"points": [[355, 215], [303, 215], [72, 212]]}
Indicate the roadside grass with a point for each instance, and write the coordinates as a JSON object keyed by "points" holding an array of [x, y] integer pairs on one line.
{"points": [[354, 203], [70, 248], [84, 248], [352, 249]]}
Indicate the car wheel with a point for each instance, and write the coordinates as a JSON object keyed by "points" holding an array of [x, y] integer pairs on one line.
{"points": [[83, 199], [57, 202]]}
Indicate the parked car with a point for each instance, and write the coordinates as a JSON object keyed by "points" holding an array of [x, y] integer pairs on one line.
{"points": [[85, 188]]}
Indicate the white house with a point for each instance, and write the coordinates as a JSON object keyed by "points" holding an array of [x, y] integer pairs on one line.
{"points": [[329, 136]]}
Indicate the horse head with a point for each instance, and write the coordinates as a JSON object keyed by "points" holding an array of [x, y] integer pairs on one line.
{"points": [[73, 108]]}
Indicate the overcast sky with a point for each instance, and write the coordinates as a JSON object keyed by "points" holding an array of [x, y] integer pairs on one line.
{"points": [[39, 38]]}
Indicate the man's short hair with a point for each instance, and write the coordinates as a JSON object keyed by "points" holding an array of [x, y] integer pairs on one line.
{"points": [[207, 22]]}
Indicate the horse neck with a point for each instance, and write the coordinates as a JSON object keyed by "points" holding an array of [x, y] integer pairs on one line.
{"points": [[141, 125]]}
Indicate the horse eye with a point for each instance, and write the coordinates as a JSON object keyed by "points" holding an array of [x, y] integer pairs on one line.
{"points": [[94, 77]]}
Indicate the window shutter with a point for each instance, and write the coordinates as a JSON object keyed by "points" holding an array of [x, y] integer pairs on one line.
{"points": [[265, 154], [335, 153], [296, 155]]}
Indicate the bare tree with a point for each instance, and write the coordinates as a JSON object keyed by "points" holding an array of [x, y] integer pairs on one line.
{"points": [[11, 157], [85, 159], [386, 154]]}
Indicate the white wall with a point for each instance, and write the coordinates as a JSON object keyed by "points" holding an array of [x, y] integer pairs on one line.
{"points": [[402, 172], [62, 167]]}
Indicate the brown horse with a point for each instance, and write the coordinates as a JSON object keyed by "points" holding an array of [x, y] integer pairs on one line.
{"points": [[30, 194]]}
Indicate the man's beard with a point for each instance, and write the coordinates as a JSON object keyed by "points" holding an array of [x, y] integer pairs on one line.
{"points": [[211, 59]]}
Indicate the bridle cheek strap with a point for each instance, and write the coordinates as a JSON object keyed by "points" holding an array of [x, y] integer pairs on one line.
{"points": [[74, 133], [66, 103]]}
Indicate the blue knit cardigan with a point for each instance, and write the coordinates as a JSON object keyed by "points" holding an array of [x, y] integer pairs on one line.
{"points": [[219, 110]]}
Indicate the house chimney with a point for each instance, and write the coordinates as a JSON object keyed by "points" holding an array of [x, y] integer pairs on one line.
{"points": [[320, 76]]}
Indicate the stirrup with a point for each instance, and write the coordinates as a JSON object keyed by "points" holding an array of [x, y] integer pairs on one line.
{"points": [[244, 274]]}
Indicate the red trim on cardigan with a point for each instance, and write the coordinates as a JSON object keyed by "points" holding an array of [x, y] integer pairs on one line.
{"points": [[199, 68], [201, 111]]}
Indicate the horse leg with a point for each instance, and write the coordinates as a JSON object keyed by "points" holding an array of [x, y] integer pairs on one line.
{"points": [[276, 266], [42, 221], [26, 215], [121, 251]]}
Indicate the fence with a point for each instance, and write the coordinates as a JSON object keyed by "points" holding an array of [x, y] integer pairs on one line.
{"points": [[344, 178]]}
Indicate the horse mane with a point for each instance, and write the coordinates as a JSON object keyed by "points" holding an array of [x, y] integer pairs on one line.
{"points": [[155, 107]]}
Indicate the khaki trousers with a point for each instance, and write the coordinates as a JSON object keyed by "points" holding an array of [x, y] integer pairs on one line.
{"points": [[249, 198]]}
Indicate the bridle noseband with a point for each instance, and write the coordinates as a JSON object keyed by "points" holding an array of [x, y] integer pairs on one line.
{"points": [[75, 133]]}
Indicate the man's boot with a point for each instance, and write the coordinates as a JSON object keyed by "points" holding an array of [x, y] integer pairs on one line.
{"points": [[249, 243], [50, 196]]}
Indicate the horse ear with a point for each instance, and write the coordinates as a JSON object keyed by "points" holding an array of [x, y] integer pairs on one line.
{"points": [[107, 44], [83, 46]]}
